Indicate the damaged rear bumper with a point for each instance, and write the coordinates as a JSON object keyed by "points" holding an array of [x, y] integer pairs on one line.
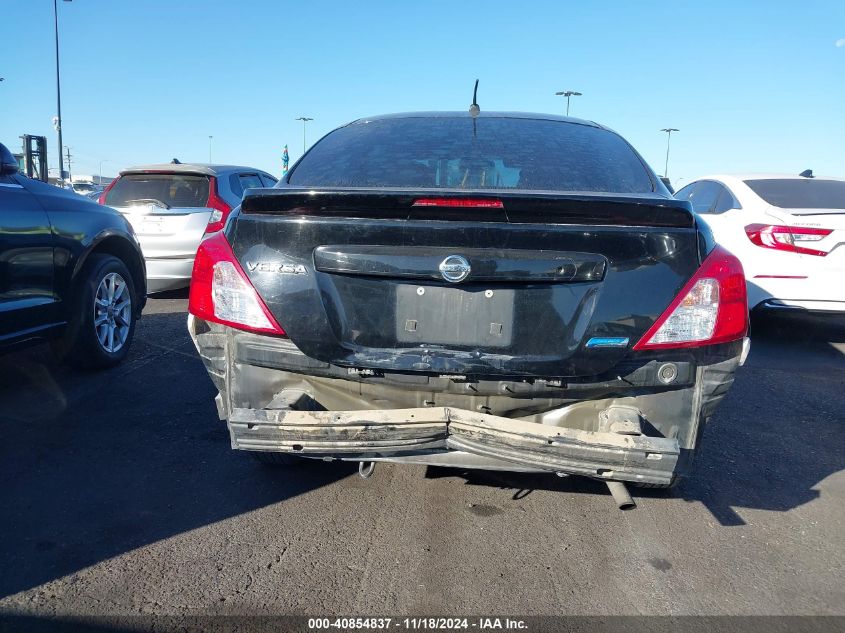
{"points": [[406, 435]]}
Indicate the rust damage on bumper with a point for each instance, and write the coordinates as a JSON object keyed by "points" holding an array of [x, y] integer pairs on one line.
{"points": [[392, 434]]}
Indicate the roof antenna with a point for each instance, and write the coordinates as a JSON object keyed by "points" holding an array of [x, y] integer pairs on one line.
{"points": [[176, 161], [807, 173], [474, 110]]}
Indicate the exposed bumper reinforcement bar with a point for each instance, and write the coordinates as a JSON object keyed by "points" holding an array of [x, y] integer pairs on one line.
{"points": [[397, 432]]}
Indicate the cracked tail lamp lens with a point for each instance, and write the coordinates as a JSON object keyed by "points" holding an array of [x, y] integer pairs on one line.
{"points": [[234, 300]]}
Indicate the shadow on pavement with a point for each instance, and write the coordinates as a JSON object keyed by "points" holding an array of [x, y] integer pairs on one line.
{"points": [[93, 465], [111, 461], [796, 327], [772, 440], [19, 623], [179, 293]]}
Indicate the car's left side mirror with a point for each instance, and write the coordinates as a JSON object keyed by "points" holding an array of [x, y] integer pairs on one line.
{"points": [[8, 162]]}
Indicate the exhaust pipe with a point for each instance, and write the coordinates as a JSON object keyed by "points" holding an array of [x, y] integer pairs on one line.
{"points": [[620, 495]]}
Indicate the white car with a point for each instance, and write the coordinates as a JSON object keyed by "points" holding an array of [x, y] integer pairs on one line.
{"points": [[172, 206], [85, 188], [788, 232]]}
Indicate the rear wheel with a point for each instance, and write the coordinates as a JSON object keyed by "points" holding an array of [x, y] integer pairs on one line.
{"points": [[102, 322]]}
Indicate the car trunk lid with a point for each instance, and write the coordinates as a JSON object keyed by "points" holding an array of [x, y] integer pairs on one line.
{"points": [[160, 205], [808, 202], [824, 272], [543, 286]]}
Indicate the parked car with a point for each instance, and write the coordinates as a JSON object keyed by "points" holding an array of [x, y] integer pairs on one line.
{"points": [[85, 188], [788, 231], [507, 291], [171, 207], [71, 271]]}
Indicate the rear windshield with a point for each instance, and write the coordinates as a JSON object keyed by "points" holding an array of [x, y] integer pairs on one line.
{"points": [[804, 193], [488, 153], [167, 190]]}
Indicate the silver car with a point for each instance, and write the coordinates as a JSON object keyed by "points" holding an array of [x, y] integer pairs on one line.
{"points": [[171, 206]]}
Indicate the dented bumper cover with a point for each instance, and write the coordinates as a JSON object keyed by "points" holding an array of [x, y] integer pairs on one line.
{"points": [[390, 434], [625, 425]]}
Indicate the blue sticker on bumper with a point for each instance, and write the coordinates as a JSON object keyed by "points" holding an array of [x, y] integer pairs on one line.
{"points": [[608, 341]]}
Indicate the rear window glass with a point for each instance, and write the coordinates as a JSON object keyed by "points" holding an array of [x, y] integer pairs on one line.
{"points": [[239, 182], [168, 190], [488, 153], [703, 197], [804, 193]]}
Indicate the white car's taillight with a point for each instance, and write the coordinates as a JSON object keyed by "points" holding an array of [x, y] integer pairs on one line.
{"points": [[711, 308], [220, 209], [221, 292], [784, 238]]}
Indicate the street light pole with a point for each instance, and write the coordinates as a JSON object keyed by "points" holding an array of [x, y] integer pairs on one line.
{"points": [[304, 120], [58, 93], [100, 178], [568, 94], [668, 131], [210, 137]]}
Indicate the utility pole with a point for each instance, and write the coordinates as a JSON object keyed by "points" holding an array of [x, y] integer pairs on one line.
{"points": [[58, 91], [100, 181], [304, 120], [67, 149], [568, 94], [668, 131]]}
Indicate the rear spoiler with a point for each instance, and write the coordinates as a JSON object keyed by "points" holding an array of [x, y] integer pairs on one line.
{"points": [[530, 207], [169, 172]]}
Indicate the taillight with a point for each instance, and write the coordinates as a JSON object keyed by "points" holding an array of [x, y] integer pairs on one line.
{"points": [[711, 308], [220, 208], [221, 292], [784, 238], [102, 197], [477, 203]]}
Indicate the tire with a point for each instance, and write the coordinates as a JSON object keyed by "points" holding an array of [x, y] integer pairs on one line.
{"points": [[102, 324], [283, 460]]}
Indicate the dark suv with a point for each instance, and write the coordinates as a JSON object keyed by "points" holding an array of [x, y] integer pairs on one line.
{"points": [[71, 271]]}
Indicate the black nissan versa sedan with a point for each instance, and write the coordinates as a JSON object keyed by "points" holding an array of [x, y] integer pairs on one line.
{"points": [[502, 291], [71, 271]]}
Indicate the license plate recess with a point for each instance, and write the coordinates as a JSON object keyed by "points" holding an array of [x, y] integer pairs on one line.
{"points": [[460, 317]]}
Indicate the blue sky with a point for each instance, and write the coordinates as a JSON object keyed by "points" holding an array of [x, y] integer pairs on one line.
{"points": [[753, 86]]}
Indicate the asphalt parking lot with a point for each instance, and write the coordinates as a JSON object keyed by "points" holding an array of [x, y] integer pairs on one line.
{"points": [[120, 495]]}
